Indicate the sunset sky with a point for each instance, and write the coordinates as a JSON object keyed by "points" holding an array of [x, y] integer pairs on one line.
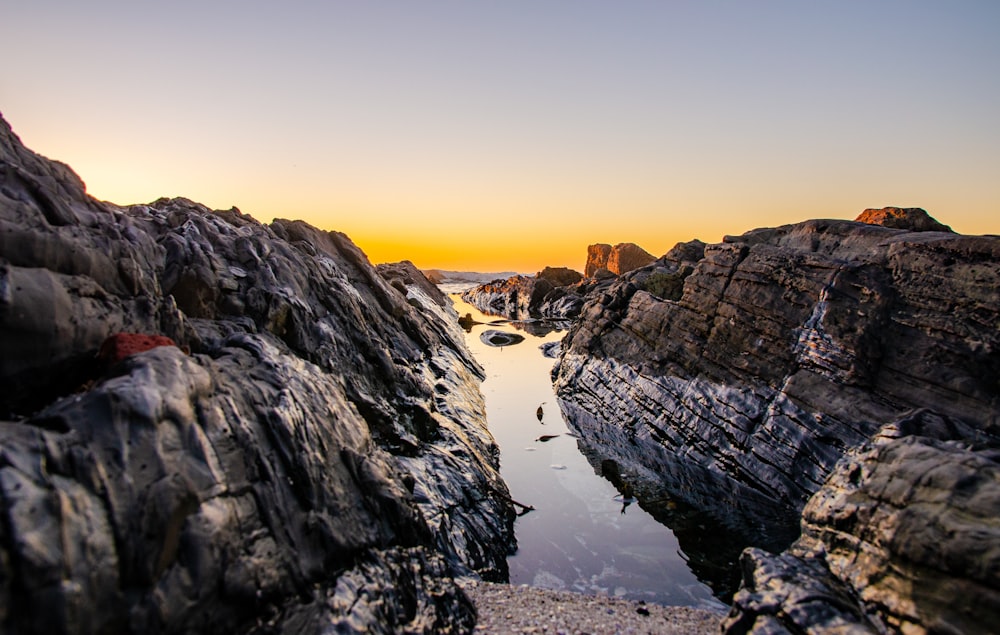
{"points": [[509, 135]]}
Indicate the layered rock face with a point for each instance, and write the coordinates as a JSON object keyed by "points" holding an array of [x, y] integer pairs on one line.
{"points": [[312, 455], [903, 537], [619, 259], [735, 376]]}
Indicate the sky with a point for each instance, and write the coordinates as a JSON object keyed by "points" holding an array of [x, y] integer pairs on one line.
{"points": [[508, 135]]}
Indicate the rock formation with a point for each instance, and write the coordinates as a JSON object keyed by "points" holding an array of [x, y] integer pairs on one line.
{"points": [[735, 376], [552, 293], [911, 218], [619, 260], [318, 460], [903, 537]]}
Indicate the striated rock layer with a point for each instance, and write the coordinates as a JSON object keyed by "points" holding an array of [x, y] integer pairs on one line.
{"points": [[735, 376], [312, 455]]}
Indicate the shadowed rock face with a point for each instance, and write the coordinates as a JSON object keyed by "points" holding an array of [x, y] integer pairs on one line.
{"points": [[319, 458], [735, 376]]}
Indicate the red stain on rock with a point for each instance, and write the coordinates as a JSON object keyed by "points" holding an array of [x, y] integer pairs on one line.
{"points": [[121, 345]]}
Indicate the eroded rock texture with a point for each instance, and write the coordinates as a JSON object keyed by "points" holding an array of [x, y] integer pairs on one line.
{"points": [[903, 537], [317, 461], [618, 259], [735, 376]]}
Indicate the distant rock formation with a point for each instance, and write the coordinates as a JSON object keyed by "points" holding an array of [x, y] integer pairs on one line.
{"points": [[620, 259], [735, 376], [318, 462], [911, 218], [555, 292], [559, 276], [462, 280]]}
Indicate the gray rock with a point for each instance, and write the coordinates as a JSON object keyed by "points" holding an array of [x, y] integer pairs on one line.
{"points": [[319, 460], [785, 348], [735, 380], [903, 537]]}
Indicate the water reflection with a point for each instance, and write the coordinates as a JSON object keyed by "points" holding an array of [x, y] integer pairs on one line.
{"points": [[584, 533]]}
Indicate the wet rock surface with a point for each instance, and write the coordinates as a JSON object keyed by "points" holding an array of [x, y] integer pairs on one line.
{"points": [[319, 461], [903, 537], [734, 377]]}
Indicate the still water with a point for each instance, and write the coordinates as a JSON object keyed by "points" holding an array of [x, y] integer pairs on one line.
{"points": [[582, 535]]}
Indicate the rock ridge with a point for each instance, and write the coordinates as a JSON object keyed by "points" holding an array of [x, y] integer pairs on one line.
{"points": [[736, 377], [317, 457]]}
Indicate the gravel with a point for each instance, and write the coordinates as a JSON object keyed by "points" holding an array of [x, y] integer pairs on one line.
{"points": [[506, 609]]}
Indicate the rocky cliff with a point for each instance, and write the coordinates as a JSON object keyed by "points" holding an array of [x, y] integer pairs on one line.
{"points": [[618, 259], [735, 376], [311, 454]]}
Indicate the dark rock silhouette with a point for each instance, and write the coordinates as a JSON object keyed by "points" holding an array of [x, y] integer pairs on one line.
{"points": [[319, 461]]}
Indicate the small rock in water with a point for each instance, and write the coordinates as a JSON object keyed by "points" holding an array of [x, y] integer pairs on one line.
{"points": [[500, 339]]}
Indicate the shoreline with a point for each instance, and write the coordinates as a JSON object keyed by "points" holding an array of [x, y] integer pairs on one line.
{"points": [[508, 609]]}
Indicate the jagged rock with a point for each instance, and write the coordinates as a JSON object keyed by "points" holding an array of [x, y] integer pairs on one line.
{"points": [[559, 276], [904, 537], [320, 461], [911, 218], [597, 258], [553, 293], [620, 259], [776, 352]]}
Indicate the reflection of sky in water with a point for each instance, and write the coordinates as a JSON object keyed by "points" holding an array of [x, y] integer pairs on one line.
{"points": [[577, 538]]}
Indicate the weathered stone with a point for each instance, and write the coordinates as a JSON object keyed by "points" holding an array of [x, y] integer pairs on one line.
{"points": [[904, 537], [559, 276], [911, 218], [320, 461], [619, 260], [736, 380]]}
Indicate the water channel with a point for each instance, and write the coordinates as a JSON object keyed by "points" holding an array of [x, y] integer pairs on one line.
{"points": [[582, 534]]}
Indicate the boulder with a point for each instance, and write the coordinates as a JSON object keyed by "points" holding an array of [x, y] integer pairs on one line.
{"points": [[620, 259], [559, 276], [319, 461], [902, 537]]}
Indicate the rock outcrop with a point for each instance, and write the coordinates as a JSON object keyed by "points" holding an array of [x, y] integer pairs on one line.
{"points": [[619, 260], [903, 537], [555, 292], [318, 460], [911, 218], [735, 376]]}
